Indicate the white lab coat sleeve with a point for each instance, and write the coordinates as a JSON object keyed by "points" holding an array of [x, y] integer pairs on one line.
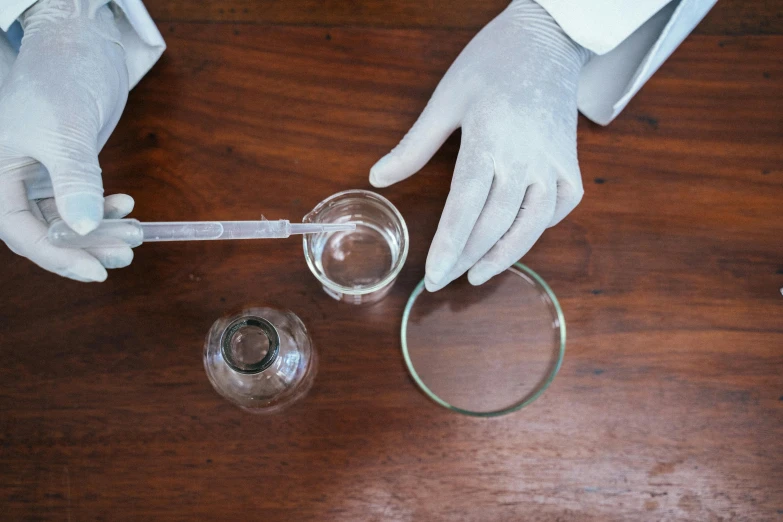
{"points": [[139, 36], [630, 39]]}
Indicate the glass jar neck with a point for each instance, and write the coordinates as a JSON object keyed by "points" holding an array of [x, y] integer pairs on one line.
{"points": [[250, 345]]}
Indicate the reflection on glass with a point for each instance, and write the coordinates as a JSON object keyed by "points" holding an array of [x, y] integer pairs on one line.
{"points": [[261, 359], [358, 266], [485, 350]]}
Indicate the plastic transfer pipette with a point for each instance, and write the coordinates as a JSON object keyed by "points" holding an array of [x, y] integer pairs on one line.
{"points": [[130, 232]]}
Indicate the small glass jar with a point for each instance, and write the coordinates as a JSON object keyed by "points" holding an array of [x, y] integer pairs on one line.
{"points": [[261, 359], [359, 266]]}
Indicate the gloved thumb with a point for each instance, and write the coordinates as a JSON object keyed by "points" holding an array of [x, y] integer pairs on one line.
{"points": [[437, 121], [77, 184]]}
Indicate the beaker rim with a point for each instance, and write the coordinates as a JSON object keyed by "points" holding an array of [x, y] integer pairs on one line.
{"points": [[395, 269]]}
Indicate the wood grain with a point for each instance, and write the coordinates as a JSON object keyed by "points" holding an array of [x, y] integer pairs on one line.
{"points": [[669, 405], [729, 17]]}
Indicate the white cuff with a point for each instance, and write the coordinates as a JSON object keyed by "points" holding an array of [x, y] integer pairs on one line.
{"points": [[11, 10], [631, 39], [600, 25], [606, 79], [609, 82], [140, 37]]}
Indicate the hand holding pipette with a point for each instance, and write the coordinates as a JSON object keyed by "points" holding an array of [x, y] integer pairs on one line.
{"points": [[132, 233]]}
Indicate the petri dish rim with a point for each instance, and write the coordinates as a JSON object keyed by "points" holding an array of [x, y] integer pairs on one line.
{"points": [[495, 413], [396, 269]]}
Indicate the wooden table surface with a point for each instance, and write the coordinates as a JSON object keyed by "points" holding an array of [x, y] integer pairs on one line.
{"points": [[669, 405]]}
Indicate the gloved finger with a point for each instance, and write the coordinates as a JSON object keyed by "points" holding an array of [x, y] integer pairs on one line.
{"points": [[115, 206], [437, 121], [26, 235], [112, 257], [77, 184], [568, 197], [534, 215], [473, 174], [499, 213]]}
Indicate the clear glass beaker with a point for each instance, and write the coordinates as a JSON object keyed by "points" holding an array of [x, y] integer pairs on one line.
{"points": [[261, 359], [359, 266]]}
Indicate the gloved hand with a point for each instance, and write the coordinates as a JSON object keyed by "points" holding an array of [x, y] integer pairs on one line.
{"points": [[513, 92], [59, 103]]}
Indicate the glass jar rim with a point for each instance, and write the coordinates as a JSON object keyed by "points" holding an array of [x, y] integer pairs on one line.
{"points": [[395, 269], [235, 327]]}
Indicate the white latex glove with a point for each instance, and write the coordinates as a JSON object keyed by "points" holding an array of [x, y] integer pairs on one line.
{"points": [[59, 103], [513, 92]]}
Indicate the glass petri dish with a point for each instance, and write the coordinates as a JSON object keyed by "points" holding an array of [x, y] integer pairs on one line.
{"points": [[484, 350]]}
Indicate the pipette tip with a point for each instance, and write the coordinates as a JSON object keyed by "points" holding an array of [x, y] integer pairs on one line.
{"points": [[339, 227], [316, 228]]}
